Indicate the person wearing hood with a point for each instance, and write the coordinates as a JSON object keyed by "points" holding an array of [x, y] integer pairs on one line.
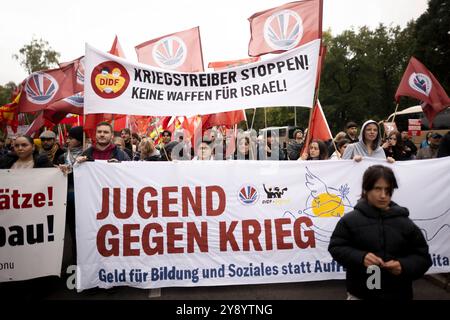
{"points": [[378, 236], [368, 144]]}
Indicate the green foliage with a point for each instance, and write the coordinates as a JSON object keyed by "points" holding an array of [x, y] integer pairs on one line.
{"points": [[361, 73], [6, 92], [432, 34], [363, 69], [37, 56]]}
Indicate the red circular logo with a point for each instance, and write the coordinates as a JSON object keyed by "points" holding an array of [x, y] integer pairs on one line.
{"points": [[109, 79]]}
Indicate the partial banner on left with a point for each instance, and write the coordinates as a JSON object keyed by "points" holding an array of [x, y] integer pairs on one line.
{"points": [[32, 221]]}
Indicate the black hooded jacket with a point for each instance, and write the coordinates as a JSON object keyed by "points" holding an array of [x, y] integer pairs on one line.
{"points": [[390, 235]]}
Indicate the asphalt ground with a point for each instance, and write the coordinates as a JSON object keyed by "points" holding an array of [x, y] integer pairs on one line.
{"points": [[55, 288]]}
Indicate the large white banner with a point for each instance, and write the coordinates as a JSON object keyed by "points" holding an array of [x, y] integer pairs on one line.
{"points": [[202, 223], [32, 221], [115, 85]]}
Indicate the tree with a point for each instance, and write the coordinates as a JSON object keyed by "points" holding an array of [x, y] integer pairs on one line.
{"points": [[433, 40], [361, 73], [6, 92], [37, 56]]}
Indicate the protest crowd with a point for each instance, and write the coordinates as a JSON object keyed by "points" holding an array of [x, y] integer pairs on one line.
{"points": [[108, 137]]}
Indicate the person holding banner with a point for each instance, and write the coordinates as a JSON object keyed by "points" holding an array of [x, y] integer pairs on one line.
{"points": [[65, 164], [103, 149], [25, 156], [317, 150], [368, 144], [379, 245]]}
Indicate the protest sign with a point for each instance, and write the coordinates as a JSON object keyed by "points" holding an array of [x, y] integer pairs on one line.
{"points": [[115, 85], [204, 223], [32, 223]]}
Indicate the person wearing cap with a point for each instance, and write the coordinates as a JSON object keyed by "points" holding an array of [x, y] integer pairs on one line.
{"points": [[351, 132], [50, 147], [431, 151], [65, 164], [74, 149]]}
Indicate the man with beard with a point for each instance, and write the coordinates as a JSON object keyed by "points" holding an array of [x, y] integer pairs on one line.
{"points": [[103, 149], [50, 147]]}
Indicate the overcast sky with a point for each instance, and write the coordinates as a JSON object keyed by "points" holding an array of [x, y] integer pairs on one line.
{"points": [[224, 28]]}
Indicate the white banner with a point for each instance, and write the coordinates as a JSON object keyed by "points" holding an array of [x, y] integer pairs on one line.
{"points": [[202, 223], [115, 85], [32, 223]]}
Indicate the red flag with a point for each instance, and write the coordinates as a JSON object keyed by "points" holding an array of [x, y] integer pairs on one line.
{"points": [[9, 114], [73, 120], [38, 122], [318, 126], [285, 27], [116, 48], [45, 87], [58, 110], [140, 124], [227, 119], [181, 51], [78, 72], [418, 82], [219, 65]]}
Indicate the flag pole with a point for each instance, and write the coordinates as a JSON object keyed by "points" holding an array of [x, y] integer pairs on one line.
{"points": [[84, 133], [393, 120], [295, 116], [395, 113], [253, 118], [265, 118]]}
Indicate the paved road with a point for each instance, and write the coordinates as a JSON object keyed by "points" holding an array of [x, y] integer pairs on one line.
{"points": [[55, 288]]}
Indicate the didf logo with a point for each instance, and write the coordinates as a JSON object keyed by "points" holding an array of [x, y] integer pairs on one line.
{"points": [[109, 79]]}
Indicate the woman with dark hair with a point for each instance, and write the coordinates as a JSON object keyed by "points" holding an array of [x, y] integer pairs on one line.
{"points": [[368, 145], [24, 156], [394, 148], [317, 150], [378, 236]]}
